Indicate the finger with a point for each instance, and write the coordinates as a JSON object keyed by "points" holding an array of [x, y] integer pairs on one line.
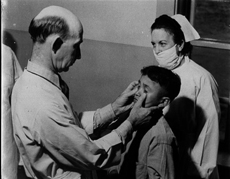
{"points": [[134, 84], [130, 105], [147, 119], [131, 86], [153, 108], [132, 92], [133, 89], [140, 100]]}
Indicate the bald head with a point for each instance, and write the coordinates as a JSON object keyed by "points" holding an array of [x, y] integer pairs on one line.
{"points": [[54, 20], [55, 11]]}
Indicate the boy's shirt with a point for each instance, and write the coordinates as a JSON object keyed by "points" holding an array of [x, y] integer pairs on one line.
{"points": [[152, 153]]}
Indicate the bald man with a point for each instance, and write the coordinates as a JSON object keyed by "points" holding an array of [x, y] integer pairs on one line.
{"points": [[53, 140]]}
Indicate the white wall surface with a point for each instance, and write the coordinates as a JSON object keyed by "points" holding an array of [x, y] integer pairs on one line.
{"points": [[118, 21]]}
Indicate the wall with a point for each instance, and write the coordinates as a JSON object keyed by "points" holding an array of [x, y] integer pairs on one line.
{"points": [[116, 46], [116, 43], [119, 21], [101, 75]]}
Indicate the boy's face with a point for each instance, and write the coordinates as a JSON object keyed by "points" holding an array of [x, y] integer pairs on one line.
{"points": [[154, 92]]}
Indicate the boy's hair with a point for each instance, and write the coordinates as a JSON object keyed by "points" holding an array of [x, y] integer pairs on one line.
{"points": [[40, 29], [166, 79]]}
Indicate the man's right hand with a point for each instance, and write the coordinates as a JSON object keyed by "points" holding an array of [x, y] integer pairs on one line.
{"points": [[140, 115]]}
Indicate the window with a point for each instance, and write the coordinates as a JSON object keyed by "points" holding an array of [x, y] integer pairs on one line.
{"points": [[211, 18]]}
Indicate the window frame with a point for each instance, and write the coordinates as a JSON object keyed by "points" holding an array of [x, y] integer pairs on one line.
{"points": [[180, 5]]}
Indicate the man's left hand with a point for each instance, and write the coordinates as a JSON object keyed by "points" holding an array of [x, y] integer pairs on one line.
{"points": [[125, 101]]}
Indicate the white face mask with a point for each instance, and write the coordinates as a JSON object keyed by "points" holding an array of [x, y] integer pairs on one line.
{"points": [[168, 58]]}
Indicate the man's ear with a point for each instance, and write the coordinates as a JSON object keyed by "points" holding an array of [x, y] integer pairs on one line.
{"points": [[57, 44], [164, 102]]}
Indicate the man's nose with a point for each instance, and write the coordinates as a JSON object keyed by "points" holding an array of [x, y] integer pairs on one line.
{"points": [[78, 53]]}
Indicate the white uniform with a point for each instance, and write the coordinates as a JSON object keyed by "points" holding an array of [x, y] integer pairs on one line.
{"points": [[194, 115], [11, 70]]}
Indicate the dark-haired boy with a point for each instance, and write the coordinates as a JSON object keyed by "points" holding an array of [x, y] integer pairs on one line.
{"points": [[153, 152]]}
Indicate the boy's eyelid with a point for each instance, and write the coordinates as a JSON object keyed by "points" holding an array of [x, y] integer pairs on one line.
{"points": [[146, 87]]}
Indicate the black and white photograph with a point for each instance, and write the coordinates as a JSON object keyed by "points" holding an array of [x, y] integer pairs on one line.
{"points": [[115, 89]]}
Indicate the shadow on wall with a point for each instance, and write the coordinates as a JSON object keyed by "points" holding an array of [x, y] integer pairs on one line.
{"points": [[104, 71], [20, 43], [9, 40], [186, 131], [107, 68]]}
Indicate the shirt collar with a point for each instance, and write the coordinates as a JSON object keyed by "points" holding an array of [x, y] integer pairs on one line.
{"points": [[44, 73]]}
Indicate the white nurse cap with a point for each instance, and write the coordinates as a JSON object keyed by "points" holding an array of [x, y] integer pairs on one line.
{"points": [[189, 32]]}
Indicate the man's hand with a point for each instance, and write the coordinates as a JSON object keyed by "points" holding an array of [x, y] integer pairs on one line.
{"points": [[125, 101], [140, 115]]}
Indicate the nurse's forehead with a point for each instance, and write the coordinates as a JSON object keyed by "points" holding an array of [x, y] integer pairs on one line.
{"points": [[161, 33]]}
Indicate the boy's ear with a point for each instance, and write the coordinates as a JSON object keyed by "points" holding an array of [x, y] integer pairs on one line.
{"points": [[57, 44], [164, 102]]}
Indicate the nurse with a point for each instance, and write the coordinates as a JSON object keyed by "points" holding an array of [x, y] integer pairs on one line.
{"points": [[194, 114]]}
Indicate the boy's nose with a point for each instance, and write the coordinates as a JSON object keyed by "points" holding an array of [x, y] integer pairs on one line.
{"points": [[138, 93]]}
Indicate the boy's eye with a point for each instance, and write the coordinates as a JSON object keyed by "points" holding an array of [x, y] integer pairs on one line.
{"points": [[138, 86]]}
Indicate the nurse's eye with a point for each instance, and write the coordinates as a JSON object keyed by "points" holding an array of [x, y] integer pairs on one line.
{"points": [[154, 45], [163, 44]]}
